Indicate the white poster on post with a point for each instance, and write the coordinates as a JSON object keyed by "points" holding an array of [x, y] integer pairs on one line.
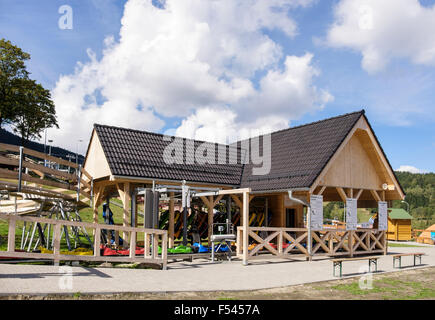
{"points": [[316, 204], [351, 214], [382, 215]]}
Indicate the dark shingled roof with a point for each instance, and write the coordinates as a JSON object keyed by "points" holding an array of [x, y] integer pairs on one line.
{"points": [[136, 153], [298, 156]]}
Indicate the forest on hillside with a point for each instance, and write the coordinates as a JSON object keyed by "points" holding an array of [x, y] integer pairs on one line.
{"points": [[420, 194]]}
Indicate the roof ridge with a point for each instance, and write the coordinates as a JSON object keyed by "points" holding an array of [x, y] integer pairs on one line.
{"points": [[362, 111], [202, 141]]}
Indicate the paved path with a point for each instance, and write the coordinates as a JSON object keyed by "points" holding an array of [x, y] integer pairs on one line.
{"points": [[185, 276]]}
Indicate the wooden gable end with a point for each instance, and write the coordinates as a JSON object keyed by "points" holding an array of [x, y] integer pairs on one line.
{"points": [[359, 163], [96, 163]]}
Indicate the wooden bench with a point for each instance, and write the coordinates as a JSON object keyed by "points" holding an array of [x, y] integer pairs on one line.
{"points": [[339, 262], [400, 255]]}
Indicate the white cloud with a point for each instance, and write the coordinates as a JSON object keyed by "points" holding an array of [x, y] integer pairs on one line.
{"points": [[195, 60], [383, 30], [410, 169]]}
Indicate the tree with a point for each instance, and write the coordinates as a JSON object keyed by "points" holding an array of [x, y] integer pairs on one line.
{"points": [[12, 71], [34, 111]]}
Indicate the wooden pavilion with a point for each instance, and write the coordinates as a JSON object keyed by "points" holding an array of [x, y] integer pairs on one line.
{"points": [[338, 158]]}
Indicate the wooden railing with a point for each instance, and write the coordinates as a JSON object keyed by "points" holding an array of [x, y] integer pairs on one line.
{"points": [[282, 242], [152, 239], [278, 241], [79, 181]]}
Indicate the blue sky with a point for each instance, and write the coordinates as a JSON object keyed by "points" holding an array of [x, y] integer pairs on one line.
{"points": [[398, 99]]}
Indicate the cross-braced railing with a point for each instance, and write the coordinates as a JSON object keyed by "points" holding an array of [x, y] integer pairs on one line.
{"points": [[283, 242]]}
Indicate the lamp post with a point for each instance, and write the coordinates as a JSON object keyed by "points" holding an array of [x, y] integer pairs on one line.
{"points": [[49, 152], [77, 151], [406, 204]]}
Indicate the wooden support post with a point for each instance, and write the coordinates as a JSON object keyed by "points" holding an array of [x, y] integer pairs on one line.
{"points": [[385, 242], [132, 244], [350, 242], [210, 207], [11, 234], [239, 242], [56, 246], [164, 250], [171, 220], [147, 245], [126, 202], [97, 239], [155, 249], [280, 240], [245, 227]]}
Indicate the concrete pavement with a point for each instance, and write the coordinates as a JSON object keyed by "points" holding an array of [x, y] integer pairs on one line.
{"points": [[186, 276]]}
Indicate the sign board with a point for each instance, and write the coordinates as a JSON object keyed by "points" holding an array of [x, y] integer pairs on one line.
{"points": [[382, 215], [351, 214], [316, 204]]}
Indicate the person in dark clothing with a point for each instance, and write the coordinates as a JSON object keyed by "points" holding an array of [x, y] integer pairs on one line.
{"points": [[108, 219]]}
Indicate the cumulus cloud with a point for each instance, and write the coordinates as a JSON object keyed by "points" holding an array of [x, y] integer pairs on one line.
{"points": [[195, 60], [410, 169], [383, 30]]}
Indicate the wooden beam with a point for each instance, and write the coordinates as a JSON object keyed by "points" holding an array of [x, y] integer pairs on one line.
{"points": [[38, 167], [205, 201], [9, 174], [126, 202], [37, 154], [234, 191], [245, 227], [237, 201], [375, 195], [210, 216], [359, 193], [171, 220], [321, 190], [342, 194], [219, 197]]}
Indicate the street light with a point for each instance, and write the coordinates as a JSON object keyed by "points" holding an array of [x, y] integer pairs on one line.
{"points": [[406, 204], [49, 152], [77, 151]]}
